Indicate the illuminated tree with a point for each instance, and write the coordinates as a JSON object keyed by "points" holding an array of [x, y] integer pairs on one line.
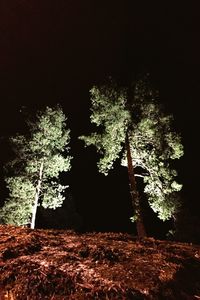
{"points": [[133, 128], [39, 159]]}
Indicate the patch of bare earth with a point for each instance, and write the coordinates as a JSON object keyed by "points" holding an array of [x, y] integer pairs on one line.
{"points": [[59, 264]]}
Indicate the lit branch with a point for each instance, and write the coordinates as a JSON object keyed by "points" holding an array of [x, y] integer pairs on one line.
{"points": [[141, 175]]}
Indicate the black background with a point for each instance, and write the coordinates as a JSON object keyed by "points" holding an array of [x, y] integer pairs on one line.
{"points": [[55, 51]]}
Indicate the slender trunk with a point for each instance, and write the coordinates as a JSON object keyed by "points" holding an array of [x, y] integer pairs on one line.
{"points": [[37, 194], [134, 194]]}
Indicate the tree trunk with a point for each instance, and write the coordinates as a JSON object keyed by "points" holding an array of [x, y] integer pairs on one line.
{"points": [[37, 194], [134, 194]]}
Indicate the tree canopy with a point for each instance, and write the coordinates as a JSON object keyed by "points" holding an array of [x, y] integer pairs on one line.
{"points": [[40, 157], [134, 118]]}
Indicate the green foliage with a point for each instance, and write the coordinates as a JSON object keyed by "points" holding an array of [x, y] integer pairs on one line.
{"points": [[153, 142], [109, 113], [46, 145], [17, 209], [53, 196]]}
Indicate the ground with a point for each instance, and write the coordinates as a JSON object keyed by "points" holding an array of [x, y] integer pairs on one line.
{"points": [[61, 264]]}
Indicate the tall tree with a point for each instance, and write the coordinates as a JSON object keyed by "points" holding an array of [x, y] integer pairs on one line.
{"points": [[133, 127], [40, 157]]}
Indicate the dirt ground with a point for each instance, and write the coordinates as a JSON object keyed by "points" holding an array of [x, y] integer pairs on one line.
{"points": [[60, 264]]}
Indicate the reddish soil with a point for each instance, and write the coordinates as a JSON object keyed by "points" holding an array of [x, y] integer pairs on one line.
{"points": [[60, 264]]}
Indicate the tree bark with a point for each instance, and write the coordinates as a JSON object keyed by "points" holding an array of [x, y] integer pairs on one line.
{"points": [[37, 194], [134, 194]]}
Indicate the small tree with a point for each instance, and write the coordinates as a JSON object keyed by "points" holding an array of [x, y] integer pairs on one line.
{"points": [[134, 128], [39, 159]]}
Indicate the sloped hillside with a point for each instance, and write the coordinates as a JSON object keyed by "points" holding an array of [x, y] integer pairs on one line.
{"points": [[59, 264]]}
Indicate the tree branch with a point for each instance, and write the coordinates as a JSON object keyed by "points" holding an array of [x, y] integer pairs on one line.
{"points": [[142, 175]]}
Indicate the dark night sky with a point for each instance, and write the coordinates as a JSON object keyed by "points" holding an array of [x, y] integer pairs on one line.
{"points": [[54, 51]]}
